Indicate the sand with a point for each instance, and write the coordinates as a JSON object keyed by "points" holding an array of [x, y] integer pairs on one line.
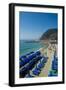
{"points": [[49, 52]]}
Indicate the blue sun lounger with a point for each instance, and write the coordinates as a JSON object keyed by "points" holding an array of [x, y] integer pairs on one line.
{"points": [[29, 66], [29, 58], [36, 71], [54, 67], [41, 64], [55, 63], [38, 53], [38, 68], [23, 72], [23, 62], [33, 62], [24, 56], [29, 54]]}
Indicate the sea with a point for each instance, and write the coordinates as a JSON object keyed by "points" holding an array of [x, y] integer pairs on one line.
{"points": [[26, 46]]}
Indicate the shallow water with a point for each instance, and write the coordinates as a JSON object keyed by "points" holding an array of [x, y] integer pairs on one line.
{"points": [[29, 46]]}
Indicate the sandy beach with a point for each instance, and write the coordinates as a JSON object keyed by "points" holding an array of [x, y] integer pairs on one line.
{"points": [[49, 52]]}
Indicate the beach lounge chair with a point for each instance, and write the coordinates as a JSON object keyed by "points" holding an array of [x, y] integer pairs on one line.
{"points": [[54, 65], [36, 71], [23, 72], [29, 66], [32, 56], [24, 56], [44, 59], [24, 61], [33, 62], [27, 59], [38, 53], [40, 65]]}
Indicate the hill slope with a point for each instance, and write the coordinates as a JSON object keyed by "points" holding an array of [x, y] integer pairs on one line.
{"points": [[50, 34]]}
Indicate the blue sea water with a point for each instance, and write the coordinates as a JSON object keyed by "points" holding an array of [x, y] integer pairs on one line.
{"points": [[29, 46]]}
